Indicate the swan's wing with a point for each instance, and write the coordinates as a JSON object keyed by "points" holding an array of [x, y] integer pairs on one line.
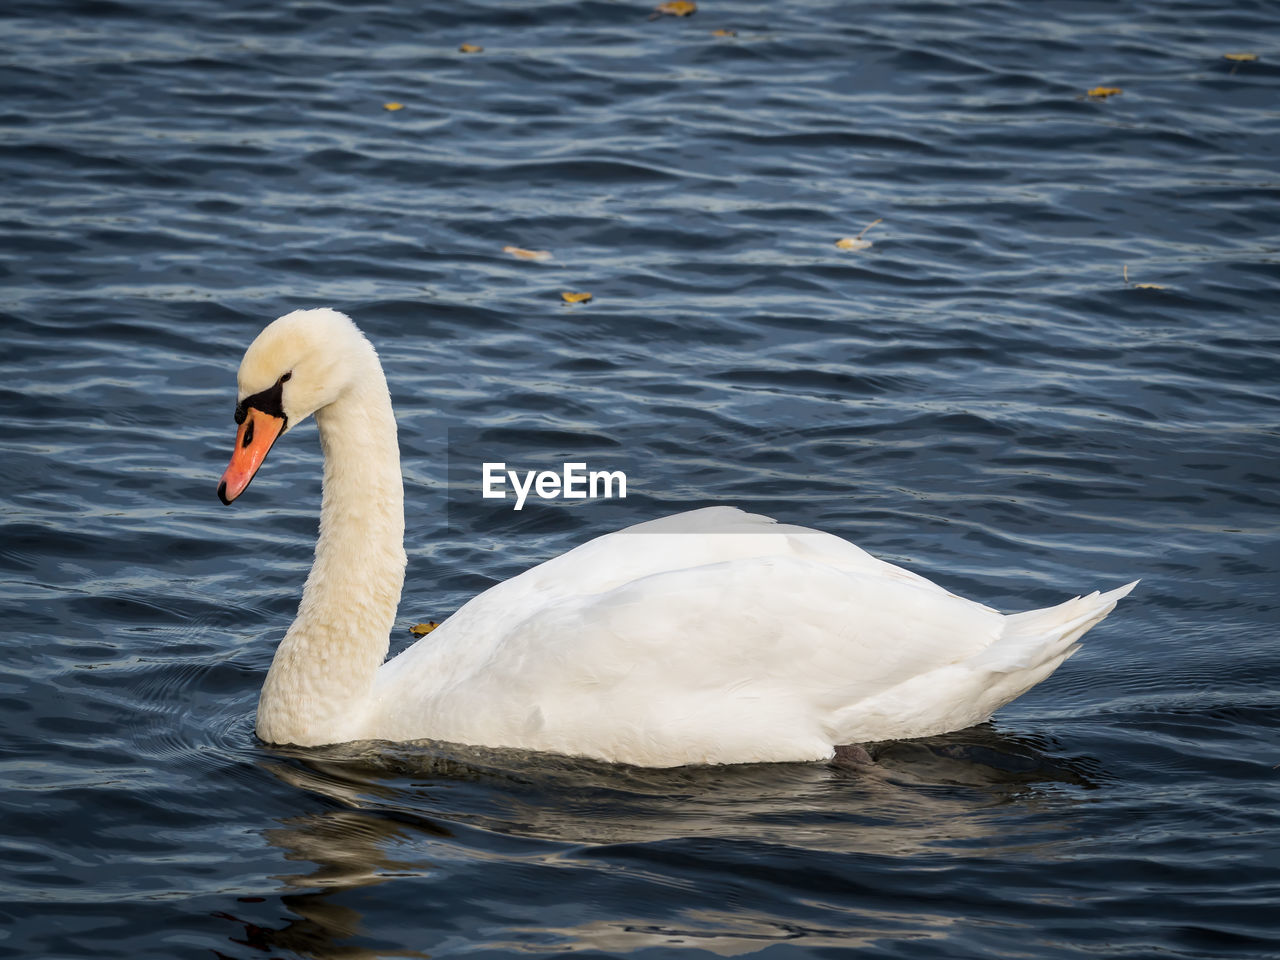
{"points": [[682, 542], [788, 622]]}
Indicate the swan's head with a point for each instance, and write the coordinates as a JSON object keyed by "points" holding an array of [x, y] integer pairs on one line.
{"points": [[298, 364]]}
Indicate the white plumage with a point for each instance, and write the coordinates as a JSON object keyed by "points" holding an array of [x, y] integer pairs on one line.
{"points": [[713, 636]]}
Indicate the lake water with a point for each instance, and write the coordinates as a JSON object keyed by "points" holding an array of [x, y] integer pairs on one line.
{"points": [[979, 395]]}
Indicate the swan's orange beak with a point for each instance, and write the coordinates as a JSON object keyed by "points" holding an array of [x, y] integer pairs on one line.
{"points": [[253, 441]]}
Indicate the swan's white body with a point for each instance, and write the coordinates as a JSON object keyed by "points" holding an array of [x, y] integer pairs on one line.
{"points": [[712, 636]]}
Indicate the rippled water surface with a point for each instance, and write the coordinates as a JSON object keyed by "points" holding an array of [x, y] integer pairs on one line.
{"points": [[979, 395]]}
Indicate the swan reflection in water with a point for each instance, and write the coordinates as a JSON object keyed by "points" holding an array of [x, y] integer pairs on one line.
{"points": [[616, 858]]}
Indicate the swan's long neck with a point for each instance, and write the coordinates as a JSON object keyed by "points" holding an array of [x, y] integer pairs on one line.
{"points": [[319, 685]]}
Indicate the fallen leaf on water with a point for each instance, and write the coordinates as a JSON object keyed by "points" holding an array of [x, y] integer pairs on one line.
{"points": [[676, 8], [852, 243], [1101, 93], [575, 297], [1142, 286], [470, 48], [1240, 57], [857, 243], [393, 106], [724, 33], [522, 254], [422, 629]]}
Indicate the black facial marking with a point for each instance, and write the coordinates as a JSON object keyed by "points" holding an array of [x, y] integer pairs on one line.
{"points": [[269, 401]]}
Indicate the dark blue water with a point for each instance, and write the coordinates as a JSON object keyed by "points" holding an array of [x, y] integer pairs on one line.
{"points": [[979, 396]]}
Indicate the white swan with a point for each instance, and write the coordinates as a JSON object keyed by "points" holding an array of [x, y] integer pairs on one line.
{"points": [[712, 636]]}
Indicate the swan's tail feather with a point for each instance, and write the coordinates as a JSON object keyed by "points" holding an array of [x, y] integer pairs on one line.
{"points": [[1035, 637], [1031, 646]]}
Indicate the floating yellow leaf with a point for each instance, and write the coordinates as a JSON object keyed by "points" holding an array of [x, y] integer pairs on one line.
{"points": [[852, 243], [522, 254], [470, 48], [724, 33], [1240, 57], [575, 297], [393, 106], [676, 8], [1101, 93], [857, 243], [422, 629]]}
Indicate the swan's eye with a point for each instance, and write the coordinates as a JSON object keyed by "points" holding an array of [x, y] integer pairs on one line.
{"points": [[248, 435], [286, 376]]}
